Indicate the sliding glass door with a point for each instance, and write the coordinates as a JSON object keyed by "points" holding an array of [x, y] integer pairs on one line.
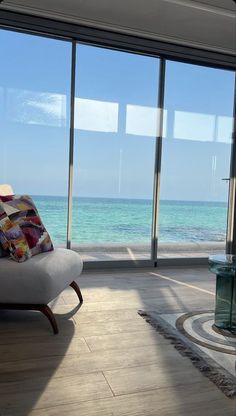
{"points": [[115, 134], [195, 161]]}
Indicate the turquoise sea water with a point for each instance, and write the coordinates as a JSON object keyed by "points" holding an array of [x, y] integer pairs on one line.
{"points": [[101, 220]]}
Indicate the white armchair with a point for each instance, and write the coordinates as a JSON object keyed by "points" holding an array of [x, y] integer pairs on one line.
{"points": [[31, 285]]}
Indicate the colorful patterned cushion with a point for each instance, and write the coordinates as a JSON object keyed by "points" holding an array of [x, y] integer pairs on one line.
{"points": [[12, 238], [23, 215], [3, 253]]}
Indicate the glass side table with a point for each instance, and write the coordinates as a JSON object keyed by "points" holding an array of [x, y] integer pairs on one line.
{"points": [[224, 266]]}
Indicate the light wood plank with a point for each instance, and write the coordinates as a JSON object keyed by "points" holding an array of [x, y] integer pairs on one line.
{"points": [[127, 294], [149, 377], [84, 317], [93, 328], [90, 362], [46, 346], [189, 400], [45, 392], [130, 340]]}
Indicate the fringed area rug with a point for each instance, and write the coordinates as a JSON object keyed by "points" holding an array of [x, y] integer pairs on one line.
{"points": [[194, 335]]}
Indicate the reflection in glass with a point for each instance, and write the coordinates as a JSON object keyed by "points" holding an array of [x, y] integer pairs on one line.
{"points": [[94, 115], [30, 107], [202, 127], [194, 126]]}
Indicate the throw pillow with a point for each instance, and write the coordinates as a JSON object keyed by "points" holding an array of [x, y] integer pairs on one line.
{"points": [[12, 239], [23, 213], [3, 253]]}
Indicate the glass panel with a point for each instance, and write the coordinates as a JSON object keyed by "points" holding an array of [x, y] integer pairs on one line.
{"points": [[195, 160], [34, 119], [116, 124]]}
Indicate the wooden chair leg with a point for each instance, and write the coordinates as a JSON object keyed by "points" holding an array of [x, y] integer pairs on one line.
{"points": [[33, 307], [77, 290], [50, 315]]}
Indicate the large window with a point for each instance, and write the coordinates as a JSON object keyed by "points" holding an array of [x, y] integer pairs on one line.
{"points": [[195, 160], [34, 113], [116, 126], [115, 166]]}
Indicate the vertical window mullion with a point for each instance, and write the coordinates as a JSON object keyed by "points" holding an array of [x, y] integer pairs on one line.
{"points": [[158, 154], [231, 221], [71, 151]]}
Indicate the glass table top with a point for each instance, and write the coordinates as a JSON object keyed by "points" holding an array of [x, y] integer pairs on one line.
{"points": [[223, 259]]}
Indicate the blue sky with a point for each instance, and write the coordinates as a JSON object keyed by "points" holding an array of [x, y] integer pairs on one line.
{"points": [[115, 120]]}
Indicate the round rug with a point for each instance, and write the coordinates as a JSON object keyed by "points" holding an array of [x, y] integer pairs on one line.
{"points": [[200, 329]]}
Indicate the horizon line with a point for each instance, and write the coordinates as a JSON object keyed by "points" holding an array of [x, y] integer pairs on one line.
{"points": [[127, 198]]}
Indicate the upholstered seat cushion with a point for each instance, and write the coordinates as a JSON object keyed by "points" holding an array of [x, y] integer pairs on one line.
{"points": [[40, 279]]}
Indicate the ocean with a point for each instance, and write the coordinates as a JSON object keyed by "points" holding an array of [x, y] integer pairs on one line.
{"points": [[107, 220]]}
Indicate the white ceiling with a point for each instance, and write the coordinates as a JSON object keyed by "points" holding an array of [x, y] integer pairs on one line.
{"points": [[208, 24]]}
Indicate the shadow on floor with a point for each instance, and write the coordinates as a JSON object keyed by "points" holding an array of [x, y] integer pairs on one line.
{"points": [[106, 360]]}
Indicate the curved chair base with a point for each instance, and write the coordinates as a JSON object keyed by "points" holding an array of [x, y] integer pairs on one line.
{"points": [[45, 309], [77, 290], [51, 317]]}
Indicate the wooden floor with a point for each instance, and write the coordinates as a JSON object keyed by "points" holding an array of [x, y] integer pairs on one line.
{"points": [[106, 359]]}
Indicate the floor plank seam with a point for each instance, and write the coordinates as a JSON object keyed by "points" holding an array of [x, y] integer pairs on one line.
{"points": [[113, 393], [157, 389], [87, 344], [164, 343]]}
